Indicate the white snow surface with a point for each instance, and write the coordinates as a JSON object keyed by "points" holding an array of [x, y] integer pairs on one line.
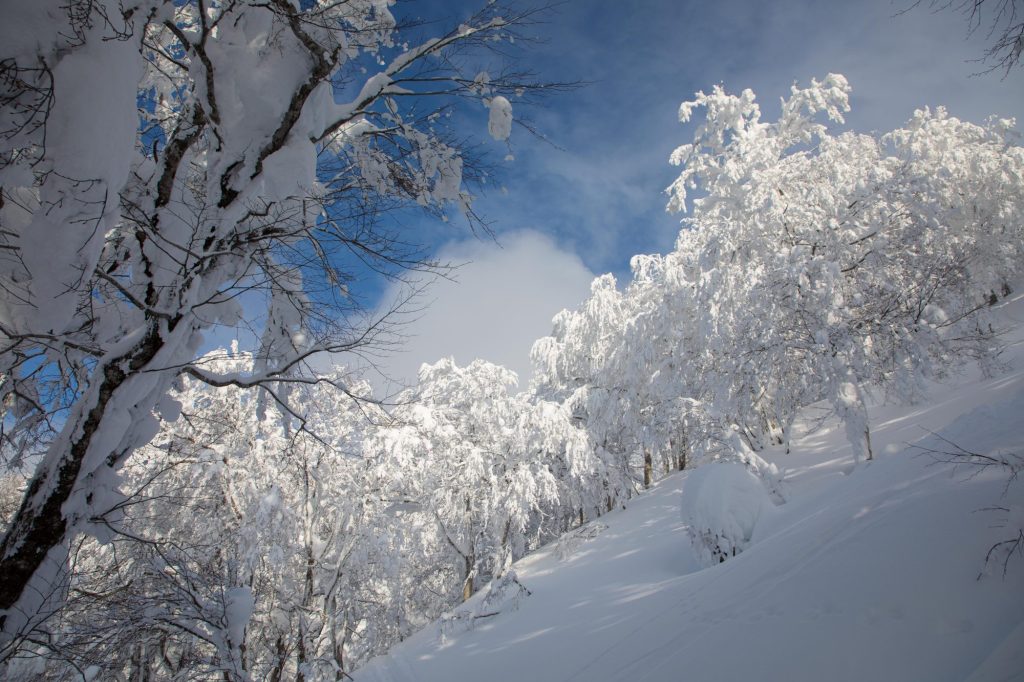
{"points": [[868, 572]]}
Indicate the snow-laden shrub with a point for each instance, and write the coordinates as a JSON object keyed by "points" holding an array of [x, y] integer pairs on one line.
{"points": [[722, 504], [569, 542], [502, 595]]}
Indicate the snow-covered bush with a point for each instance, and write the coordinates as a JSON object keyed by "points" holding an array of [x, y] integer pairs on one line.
{"points": [[722, 505], [570, 542]]}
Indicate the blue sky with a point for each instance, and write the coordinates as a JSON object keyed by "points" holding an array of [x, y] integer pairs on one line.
{"points": [[586, 206]]}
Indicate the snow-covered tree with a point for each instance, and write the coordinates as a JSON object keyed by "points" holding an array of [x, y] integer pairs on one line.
{"points": [[303, 528], [571, 367], [816, 266], [170, 168], [243, 548], [457, 452], [832, 264]]}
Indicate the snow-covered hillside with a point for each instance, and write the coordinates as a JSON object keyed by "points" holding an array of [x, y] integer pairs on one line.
{"points": [[870, 573]]}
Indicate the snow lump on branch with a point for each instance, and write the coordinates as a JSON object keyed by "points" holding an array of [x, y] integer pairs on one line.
{"points": [[499, 124]]}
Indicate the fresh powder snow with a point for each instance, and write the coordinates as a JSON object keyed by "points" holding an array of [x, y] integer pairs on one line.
{"points": [[869, 571]]}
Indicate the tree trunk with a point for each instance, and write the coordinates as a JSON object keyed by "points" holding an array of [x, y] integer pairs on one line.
{"points": [[140, 664], [281, 656], [787, 430], [648, 469], [467, 584], [300, 655], [338, 645], [40, 525]]}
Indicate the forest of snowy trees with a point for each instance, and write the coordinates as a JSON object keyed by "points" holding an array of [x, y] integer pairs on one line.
{"points": [[170, 513], [171, 169]]}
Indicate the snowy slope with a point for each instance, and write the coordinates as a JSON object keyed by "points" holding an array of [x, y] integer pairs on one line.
{"points": [[864, 574]]}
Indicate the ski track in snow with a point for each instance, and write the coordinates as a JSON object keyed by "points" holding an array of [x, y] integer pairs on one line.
{"points": [[866, 573]]}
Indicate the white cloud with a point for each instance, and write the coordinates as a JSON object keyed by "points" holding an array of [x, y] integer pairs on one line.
{"points": [[503, 300]]}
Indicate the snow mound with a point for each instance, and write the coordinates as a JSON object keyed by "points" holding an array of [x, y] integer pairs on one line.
{"points": [[722, 504]]}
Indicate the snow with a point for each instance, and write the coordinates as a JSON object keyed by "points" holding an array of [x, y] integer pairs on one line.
{"points": [[499, 122], [870, 571], [90, 138], [238, 605], [722, 504]]}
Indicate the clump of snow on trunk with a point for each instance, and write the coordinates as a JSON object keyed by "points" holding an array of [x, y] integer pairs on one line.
{"points": [[238, 606], [722, 505]]}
